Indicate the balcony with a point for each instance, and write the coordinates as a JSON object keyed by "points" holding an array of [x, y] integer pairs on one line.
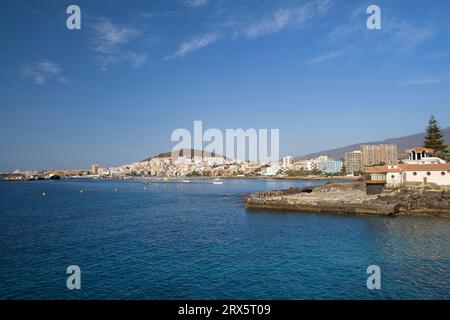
{"points": [[374, 178]]}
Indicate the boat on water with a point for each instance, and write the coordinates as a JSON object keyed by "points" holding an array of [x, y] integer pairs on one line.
{"points": [[217, 181], [187, 181]]}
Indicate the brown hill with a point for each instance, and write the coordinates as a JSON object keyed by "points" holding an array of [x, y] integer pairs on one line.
{"points": [[401, 142]]}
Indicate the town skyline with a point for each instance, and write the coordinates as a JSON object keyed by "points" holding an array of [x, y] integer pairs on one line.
{"points": [[112, 92], [296, 157]]}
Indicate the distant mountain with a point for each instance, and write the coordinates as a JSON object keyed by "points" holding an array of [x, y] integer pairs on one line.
{"points": [[402, 144]]}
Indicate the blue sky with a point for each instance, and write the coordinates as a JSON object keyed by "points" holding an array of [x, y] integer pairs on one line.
{"points": [[113, 92]]}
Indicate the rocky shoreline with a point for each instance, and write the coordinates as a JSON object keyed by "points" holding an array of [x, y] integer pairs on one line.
{"points": [[351, 198]]}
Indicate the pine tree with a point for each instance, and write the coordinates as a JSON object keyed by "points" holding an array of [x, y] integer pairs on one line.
{"points": [[434, 139]]}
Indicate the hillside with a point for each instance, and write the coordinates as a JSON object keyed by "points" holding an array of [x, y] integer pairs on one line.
{"points": [[402, 143], [192, 152]]}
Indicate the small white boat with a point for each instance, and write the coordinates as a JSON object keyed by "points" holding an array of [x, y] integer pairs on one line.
{"points": [[217, 181], [187, 181]]}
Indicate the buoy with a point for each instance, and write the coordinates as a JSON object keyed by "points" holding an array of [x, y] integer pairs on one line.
{"points": [[81, 191], [115, 189], [43, 194]]}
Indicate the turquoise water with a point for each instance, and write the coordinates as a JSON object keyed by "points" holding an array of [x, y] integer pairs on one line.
{"points": [[175, 240]]}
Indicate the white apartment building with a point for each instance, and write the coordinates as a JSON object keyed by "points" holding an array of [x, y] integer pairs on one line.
{"points": [[288, 161]]}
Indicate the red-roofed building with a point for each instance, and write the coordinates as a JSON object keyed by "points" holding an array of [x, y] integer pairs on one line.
{"points": [[402, 174]]}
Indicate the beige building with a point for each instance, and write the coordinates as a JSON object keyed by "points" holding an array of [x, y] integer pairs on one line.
{"points": [[353, 162], [376, 154], [95, 168]]}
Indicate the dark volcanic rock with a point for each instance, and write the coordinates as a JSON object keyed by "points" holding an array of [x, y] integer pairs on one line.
{"points": [[352, 198]]}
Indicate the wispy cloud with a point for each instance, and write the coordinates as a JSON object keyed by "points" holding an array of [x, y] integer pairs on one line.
{"points": [[421, 81], [194, 44], [138, 60], [278, 22], [108, 37], [233, 26], [42, 72], [288, 17], [407, 36], [110, 43], [195, 3], [398, 36], [435, 55], [343, 32], [328, 56]]}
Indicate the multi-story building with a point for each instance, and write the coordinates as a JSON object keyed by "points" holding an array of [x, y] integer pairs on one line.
{"points": [[95, 169], [353, 162], [376, 154], [288, 161], [329, 166], [321, 158], [308, 165]]}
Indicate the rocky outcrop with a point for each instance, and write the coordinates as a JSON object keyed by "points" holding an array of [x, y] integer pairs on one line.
{"points": [[352, 198], [418, 200]]}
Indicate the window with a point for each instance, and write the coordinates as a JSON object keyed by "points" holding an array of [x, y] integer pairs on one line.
{"points": [[392, 177], [428, 173], [415, 174], [442, 173]]}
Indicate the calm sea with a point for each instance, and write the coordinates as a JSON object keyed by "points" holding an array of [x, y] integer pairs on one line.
{"points": [[175, 240]]}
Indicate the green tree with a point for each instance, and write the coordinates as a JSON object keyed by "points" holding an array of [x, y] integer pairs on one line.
{"points": [[434, 139]]}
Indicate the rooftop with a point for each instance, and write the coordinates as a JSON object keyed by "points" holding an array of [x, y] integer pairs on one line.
{"points": [[419, 150], [409, 167]]}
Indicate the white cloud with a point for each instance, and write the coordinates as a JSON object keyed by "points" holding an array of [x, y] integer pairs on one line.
{"points": [[281, 20], [42, 72], [194, 44], [196, 3], [295, 17], [247, 27], [396, 36], [278, 22], [328, 56], [344, 32], [110, 42], [421, 81], [108, 37], [138, 60], [406, 36]]}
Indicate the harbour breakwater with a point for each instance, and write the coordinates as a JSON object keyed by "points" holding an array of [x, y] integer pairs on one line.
{"points": [[352, 198]]}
